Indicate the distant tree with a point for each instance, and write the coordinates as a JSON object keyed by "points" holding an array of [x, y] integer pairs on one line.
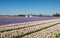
{"points": [[41, 15], [21, 15], [47, 15], [57, 14]]}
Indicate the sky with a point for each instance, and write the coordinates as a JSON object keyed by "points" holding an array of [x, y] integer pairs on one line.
{"points": [[15, 7]]}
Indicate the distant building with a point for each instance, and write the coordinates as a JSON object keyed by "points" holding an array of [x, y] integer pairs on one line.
{"points": [[28, 16]]}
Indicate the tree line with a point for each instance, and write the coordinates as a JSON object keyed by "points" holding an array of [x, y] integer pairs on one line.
{"points": [[40, 15]]}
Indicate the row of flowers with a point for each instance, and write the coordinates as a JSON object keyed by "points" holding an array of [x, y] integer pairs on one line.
{"points": [[52, 32], [23, 31], [20, 25]]}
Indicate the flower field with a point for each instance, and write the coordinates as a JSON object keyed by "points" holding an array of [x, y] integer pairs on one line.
{"points": [[35, 29]]}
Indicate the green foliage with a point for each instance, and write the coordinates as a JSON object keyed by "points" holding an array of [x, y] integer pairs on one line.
{"points": [[21, 15], [56, 14]]}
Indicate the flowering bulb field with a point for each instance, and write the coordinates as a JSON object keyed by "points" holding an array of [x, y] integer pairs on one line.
{"points": [[23, 25], [25, 19], [36, 29], [52, 32]]}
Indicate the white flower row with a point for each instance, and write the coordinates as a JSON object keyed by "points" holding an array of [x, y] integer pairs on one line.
{"points": [[52, 32]]}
